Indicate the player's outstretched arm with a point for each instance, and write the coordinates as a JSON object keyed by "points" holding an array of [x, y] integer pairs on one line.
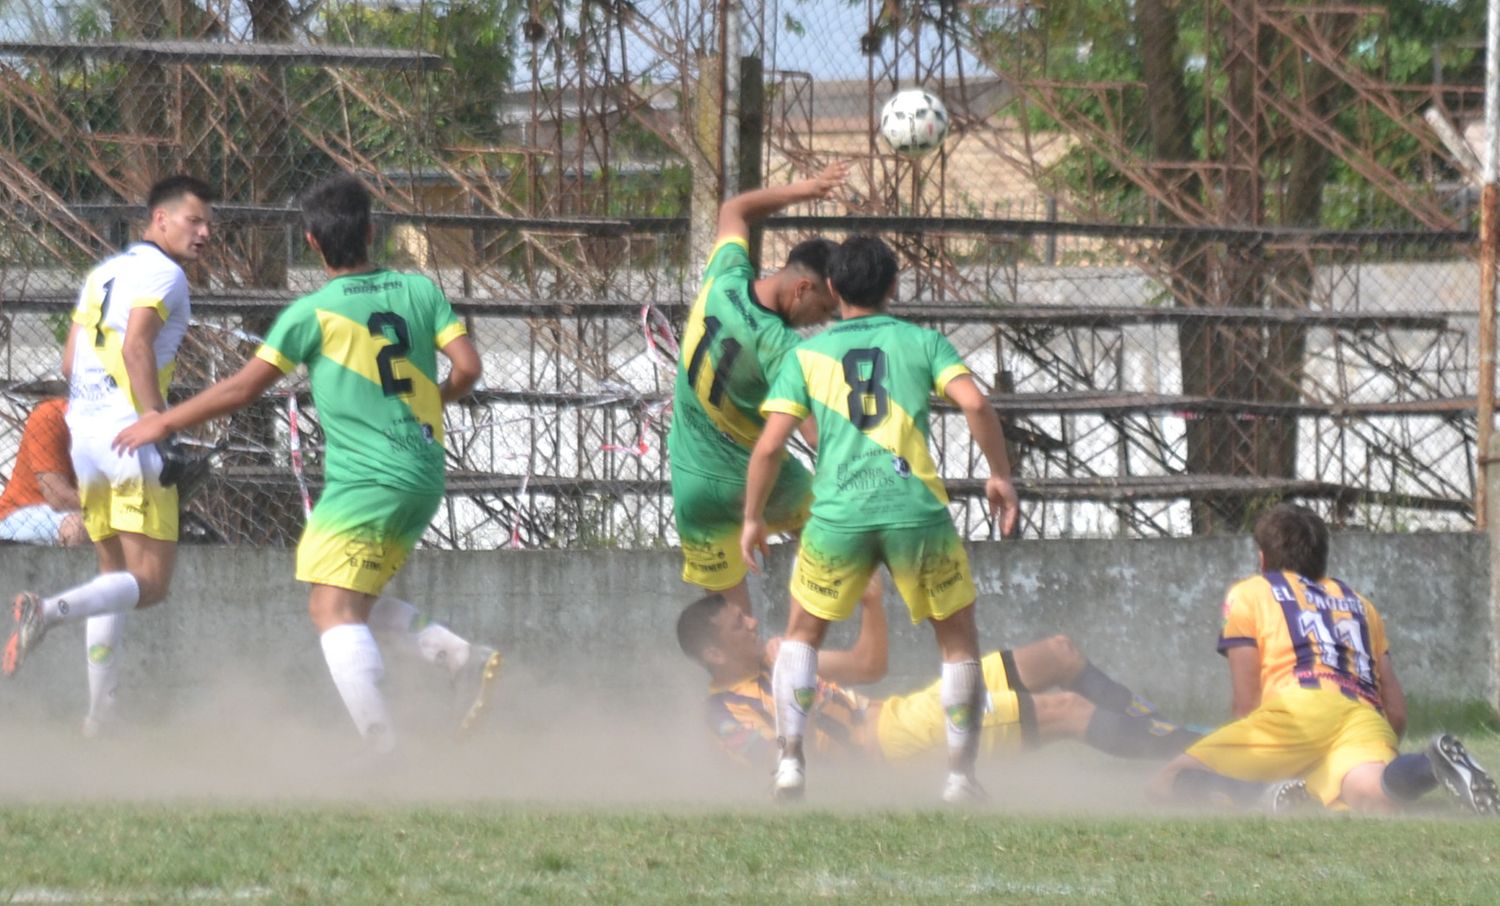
{"points": [[229, 395], [738, 213], [985, 426], [765, 462], [466, 369]]}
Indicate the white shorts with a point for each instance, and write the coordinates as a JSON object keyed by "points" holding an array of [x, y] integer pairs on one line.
{"points": [[120, 491], [39, 524]]}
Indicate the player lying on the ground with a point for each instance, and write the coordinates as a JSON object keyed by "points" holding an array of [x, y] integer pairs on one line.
{"points": [[1315, 693], [1038, 693]]}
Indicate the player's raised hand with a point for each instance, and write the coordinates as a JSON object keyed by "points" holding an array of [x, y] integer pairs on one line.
{"points": [[1004, 504], [148, 429], [752, 541], [831, 178]]}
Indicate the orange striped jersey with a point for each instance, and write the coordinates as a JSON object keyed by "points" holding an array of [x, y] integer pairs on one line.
{"points": [[1309, 634], [742, 717]]}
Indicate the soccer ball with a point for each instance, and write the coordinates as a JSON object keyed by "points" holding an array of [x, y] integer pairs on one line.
{"points": [[914, 121]]}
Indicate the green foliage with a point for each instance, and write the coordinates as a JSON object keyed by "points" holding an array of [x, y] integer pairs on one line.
{"points": [[1096, 42]]}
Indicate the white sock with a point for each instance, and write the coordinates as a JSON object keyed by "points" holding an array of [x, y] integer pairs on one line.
{"points": [[962, 694], [356, 667], [437, 644], [107, 593], [102, 644], [794, 683]]}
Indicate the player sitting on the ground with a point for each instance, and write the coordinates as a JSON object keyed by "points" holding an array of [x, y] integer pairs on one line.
{"points": [[40, 504], [1315, 693], [1038, 693]]}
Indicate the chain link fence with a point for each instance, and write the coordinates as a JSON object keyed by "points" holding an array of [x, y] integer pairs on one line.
{"points": [[1198, 280]]}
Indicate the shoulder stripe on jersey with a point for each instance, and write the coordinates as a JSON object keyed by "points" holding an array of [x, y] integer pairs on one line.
{"points": [[898, 431], [158, 305], [786, 407], [351, 346], [450, 333], [740, 241], [946, 376], [274, 357]]}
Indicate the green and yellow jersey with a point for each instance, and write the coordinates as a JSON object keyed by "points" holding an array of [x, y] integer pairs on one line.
{"points": [[869, 381], [731, 346], [370, 342]]}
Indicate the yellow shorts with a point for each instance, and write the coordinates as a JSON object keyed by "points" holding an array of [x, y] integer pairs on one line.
{"points": [[358, 535], [120, 492], [1318, 735], [709, 515], [912, 724], [927, 563]]}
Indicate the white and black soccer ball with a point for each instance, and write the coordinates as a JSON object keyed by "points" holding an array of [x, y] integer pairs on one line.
{"points": [[914, 121]]}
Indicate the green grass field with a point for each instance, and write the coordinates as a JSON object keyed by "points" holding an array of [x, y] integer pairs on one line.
{"points": [[157, 853], [179, 815]]}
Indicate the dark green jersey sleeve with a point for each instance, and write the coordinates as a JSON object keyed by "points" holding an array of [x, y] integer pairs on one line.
{"points": [[730, 256]]}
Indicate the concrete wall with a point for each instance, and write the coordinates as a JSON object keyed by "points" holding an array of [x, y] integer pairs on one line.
{"points": [[1146, 611]]}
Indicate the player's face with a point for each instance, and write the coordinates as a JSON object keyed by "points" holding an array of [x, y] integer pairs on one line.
{"points": [[182, 227], [738, 635], [811, 303]]}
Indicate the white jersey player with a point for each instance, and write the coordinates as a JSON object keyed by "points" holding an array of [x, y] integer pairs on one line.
{"points": [[130, 319]]}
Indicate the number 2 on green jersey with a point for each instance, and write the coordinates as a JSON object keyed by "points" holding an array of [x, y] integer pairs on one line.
{"points": [[385, 360]]}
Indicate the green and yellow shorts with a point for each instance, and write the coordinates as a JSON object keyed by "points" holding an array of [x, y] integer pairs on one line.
{"points": [[359, 535], [927, 563], [710, 509]]}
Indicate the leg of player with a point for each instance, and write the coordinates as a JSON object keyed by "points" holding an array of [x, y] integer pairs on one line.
{"points": [[1068, 715], [962, 691], [101, 636], [1445, 761], [1188, 781], [354, 661], [1057, 662], [135, 571], [472, 669], [794, 684]]}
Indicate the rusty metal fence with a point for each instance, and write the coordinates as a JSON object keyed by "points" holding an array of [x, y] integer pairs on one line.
{"points": [[1186, 310]]}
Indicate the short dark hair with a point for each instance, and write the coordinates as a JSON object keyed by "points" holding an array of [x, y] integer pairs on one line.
{"points": [[862, 271], [175, 188], [1293, 537], [695, 625], [812, 255], [336, 212]]}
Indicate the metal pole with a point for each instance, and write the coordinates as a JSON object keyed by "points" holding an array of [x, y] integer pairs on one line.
{"points": [[729, 156], [1488, 210]]}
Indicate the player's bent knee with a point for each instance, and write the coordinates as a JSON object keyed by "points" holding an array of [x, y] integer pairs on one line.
{"points": [[1065, 652], [1061, 714], [1363, 791]]}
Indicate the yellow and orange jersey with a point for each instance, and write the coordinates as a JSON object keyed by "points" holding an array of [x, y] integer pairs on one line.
{"points": [[742, 717], [1310, 634]]}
